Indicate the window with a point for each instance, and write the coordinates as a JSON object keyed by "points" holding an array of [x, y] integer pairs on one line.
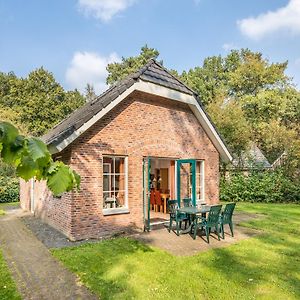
{"points": [[114, 182], [200, 180]]}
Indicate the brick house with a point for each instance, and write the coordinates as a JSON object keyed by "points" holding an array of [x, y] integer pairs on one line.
{"points": [[147, 132]]}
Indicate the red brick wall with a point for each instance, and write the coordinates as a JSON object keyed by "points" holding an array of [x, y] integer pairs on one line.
{"points": [[25, 194], [142, 125], [56, 211]]}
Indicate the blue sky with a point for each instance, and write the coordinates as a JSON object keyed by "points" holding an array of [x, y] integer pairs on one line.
{"points": [[76, 39]]}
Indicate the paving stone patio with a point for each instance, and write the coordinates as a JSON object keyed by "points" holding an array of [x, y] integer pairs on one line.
{"points": [[182, 245], [185, 245]]}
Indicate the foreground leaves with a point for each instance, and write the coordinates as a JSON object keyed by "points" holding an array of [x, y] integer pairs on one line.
{"points": [[31, 158]]}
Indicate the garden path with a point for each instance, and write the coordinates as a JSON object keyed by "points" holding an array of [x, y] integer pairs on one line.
{"points": [[37, 273]]}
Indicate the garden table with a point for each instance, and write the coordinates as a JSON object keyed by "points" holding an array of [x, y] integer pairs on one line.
{"points": [[192, 211]]}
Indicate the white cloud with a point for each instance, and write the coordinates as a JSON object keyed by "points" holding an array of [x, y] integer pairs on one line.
{"points": [[103, 9], [229, 46], [286, 18], [89, 67]]}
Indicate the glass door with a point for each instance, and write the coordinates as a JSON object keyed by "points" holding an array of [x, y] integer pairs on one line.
{"points": [[146, 191], [186, 180]]}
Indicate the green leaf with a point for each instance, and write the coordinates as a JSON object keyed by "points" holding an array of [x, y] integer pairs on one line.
{"points": [[11, 154], [38, 150], [61, 180], [27, 168], [11, 143], [8, 133]]}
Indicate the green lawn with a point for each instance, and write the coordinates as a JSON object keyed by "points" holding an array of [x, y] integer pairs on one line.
{"points": [[264, 267], [3, 206], [8, 289]]}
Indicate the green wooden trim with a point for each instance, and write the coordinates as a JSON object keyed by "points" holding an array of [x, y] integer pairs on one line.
{"points": [[178, 182], [149, 189], [146, 192], [192, 162]]}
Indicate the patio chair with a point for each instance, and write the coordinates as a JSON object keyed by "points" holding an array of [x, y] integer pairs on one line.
{"points": [[226, 218], [152, 201], [212, 221], [158, 201], [187, 202], [176, 216]]}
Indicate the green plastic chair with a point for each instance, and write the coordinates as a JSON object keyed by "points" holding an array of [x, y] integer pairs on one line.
{"points": [[176, 216], [212, 221], [226, 218], [187, 202]]}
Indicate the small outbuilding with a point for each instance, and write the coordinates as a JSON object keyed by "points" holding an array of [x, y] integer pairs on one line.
{"points": [[143, 141]]}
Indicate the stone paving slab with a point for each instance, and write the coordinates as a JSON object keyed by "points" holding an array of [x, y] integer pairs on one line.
{"points": [[185, 245], [37, 273]]}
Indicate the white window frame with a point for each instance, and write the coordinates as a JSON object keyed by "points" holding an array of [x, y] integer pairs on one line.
{"points": [[201, 178], [117, 210]]}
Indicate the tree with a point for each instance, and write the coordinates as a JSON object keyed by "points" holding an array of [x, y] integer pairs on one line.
{"points": [[118, 71], [90, 94], [241, 72], [209, 80], [275, 138], [31, 158], [261, 90], [38, 101], [229, 118], [253, 73]]}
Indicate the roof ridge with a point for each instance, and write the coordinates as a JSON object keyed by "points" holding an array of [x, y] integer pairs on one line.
{"points": [[166, 70], [145, 67]]}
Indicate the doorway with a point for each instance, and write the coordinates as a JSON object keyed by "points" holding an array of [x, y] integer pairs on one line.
{"points": [[164, 179]]}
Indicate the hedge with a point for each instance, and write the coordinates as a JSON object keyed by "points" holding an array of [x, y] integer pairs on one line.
{"points": [[259, 187], [9, 189]]}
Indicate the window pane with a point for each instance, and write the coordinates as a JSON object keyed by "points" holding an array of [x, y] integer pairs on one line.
{"points": [[119, 182], [120, 196], [119, 165], [107, 183], [114, 179], [107, 200], [107, 164], [198, 180]]}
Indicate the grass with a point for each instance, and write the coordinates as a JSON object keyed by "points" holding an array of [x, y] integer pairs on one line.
{"points": [[264, 267], [8, 204], [4, 206], [8, 289]]}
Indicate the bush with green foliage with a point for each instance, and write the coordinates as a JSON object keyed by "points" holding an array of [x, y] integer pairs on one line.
{"points": [[259, 187], [9, 189]]}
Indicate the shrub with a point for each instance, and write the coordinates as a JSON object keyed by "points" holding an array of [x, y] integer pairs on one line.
{"points": [[259, 187], [9, 189]]}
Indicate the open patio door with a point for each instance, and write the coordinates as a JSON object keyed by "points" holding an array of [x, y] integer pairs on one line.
{"points": [[186, 180], [146, 191]]}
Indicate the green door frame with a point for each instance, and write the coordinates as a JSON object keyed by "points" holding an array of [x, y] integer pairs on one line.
{"points": [[192, 163], [146, 191]]}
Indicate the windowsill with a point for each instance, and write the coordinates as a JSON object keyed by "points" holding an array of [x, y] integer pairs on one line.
{"points": [[115, 211]]}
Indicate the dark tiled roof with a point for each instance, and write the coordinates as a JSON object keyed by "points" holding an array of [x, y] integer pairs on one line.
{"points": [[251, 159], [151, 72], [157, 74]]}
